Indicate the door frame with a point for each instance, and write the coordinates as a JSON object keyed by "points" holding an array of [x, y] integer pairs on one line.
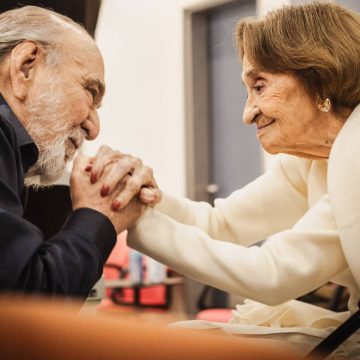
{"points": [[196, 87], [197, 117]]}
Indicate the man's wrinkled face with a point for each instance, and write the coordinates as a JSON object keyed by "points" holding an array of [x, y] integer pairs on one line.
{"points": [[63, 112]]}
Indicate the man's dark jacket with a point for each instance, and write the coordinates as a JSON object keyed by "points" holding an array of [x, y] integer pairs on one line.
{"points": [[68, 263]]}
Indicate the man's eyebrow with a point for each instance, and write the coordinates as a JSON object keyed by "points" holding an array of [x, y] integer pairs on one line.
{"points": [[97, 84]]}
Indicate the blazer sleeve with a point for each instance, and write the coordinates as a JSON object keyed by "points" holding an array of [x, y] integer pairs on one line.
{"points": [[252, 213], [288, 265]]}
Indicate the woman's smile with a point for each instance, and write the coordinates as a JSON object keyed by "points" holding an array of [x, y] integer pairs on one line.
{"points": [[264, 125]]}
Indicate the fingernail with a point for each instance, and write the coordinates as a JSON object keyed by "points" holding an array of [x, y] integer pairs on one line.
{"points": [[115, 205], [104, 190], [88, 168], [93, 178]]}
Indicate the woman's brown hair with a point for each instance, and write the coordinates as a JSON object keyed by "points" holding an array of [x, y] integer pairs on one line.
{"points": [[319, 42]]}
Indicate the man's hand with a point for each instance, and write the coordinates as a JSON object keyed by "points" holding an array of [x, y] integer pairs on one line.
{"points": [[85, 194], [115, 170]]}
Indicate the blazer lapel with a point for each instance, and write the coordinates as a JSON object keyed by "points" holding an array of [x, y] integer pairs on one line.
{"points": [[344, 189]]}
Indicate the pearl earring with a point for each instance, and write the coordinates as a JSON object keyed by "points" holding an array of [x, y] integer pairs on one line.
{"points": [[324, 105]]}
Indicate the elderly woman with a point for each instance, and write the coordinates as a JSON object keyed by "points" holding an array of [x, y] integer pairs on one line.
{"points": [[301, 69]]}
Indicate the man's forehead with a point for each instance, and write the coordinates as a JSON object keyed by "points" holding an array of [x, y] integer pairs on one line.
{"points": [[90, 66], [84, 61], [86, 55], [83, 50]]}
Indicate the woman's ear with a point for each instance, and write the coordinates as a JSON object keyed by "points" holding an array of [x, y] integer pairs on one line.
{"points": [[24, 58]]}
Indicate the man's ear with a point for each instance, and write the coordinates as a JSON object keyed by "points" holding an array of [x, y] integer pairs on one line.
{"points": [[24, 58]]}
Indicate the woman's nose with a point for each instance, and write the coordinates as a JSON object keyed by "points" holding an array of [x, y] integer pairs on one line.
{"points": [[250, 111]]}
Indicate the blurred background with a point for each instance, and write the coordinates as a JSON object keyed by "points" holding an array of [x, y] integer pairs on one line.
{"points": [[174, 98]]}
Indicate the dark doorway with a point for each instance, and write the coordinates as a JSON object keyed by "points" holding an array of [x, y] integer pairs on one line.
{"points": [[222, 153]]}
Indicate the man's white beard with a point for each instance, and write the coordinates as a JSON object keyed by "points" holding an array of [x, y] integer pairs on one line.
{"points": [[49, 120]]}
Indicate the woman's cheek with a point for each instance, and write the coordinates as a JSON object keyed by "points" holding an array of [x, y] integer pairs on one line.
{"points": [[274, 109]]}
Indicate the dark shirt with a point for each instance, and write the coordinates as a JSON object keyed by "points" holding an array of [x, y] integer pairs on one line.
{"points": [[68, 263]]}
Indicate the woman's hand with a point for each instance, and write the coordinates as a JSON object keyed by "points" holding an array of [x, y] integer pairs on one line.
{"points": [[85, 194], [125, 174]]}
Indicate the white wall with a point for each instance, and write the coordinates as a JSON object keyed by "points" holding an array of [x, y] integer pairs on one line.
{"points": [[143, 109]]}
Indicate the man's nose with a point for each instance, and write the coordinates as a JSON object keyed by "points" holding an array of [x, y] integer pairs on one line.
{"points": [[92, 126], [250, 111]]}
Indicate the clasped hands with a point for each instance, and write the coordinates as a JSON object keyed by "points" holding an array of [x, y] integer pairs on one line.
{"points": [[115, 184]]}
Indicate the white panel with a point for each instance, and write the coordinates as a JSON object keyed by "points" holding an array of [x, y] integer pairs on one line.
{"points": [[142, 112], [264, 6]]}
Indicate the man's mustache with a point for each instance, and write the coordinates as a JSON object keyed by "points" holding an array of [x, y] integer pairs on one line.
{"points": [[78, 137]]}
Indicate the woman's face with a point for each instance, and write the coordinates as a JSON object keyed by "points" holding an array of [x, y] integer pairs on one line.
{"points": [[287, 119]]}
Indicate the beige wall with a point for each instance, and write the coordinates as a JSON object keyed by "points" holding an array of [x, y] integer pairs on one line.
{"points": [[143, 110]]}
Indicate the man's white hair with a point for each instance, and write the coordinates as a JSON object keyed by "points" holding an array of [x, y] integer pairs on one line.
{"points": [[40, 25]]}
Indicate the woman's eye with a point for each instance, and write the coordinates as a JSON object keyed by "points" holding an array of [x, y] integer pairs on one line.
{"points": [[258, 87]]}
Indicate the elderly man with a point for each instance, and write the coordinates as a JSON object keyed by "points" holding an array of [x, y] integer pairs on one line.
{"points": [[51, 84]]}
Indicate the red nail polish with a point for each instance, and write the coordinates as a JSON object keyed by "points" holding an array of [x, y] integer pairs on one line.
{"points": [[88, 168], [104, 190], [93, 178], [115, 205]]}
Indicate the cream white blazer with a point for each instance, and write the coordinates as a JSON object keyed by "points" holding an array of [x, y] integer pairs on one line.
{"points": [[312, 234]]}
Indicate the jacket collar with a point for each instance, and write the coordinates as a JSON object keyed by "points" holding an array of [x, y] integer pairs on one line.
{"points": [[25, 143]]}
